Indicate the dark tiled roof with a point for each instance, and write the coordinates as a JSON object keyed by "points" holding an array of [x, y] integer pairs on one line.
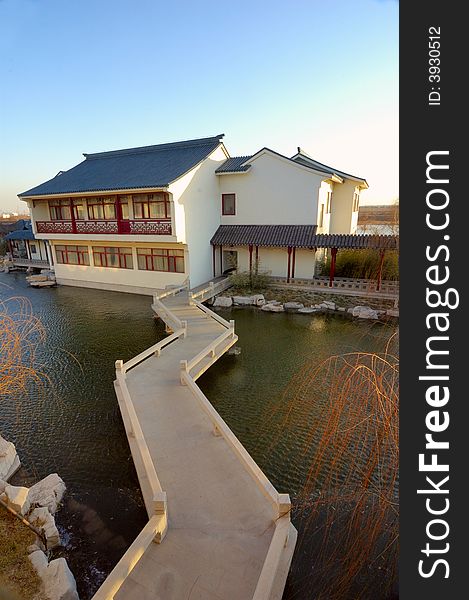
{"points": [[145, 167], [297, 236], [23, 231], [233, 165], [307, 161]]}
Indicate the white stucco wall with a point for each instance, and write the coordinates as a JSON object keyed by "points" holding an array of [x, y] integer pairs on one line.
{"points": [[326, 187], [343, 220], [196, 198], [274, 191]]}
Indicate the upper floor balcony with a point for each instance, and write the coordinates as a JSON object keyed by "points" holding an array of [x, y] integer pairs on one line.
{"points": [[137, 214], [125, 227]]}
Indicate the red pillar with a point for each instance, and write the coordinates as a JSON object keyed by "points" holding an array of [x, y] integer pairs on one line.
{"points": [[380, 270], [250, 257], [293, 264], [213, 260], [332, 270], [221, 260], [72, 216], [289, 264], [257, 259]]}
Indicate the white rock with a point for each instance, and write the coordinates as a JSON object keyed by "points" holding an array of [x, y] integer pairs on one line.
{"points": [[392, 312], [327, 305], [364, 312], [223, 301], [242, 300], [258, 300], [42, 519], [18, 498], [47, 492], [308, 310], [3, 485], [9, 461], [39, 561], [272, 308], [341, 308], [58, 580], [274, 302], [293, 305]]}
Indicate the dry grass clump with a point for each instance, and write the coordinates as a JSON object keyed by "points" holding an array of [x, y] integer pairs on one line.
{"points": [[20, 332], [348, 507], [18, 579]]}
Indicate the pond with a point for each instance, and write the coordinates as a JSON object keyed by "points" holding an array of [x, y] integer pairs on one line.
{"points": [[72, 425]]}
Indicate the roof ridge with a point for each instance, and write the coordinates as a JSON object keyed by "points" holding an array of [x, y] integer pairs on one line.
{"points": [[155, 147]]}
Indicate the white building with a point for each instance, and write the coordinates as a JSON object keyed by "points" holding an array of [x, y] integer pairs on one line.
{"points": [[140, 219]]}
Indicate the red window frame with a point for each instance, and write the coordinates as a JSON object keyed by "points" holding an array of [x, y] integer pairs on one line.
{"points": [[171, 261], [223, 208], [101, 202], [146, 201], [57, 210], [63, 250], [106, 252]]}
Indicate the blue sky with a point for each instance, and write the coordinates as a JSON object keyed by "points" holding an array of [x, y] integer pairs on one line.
{"points": [[85, 76]]}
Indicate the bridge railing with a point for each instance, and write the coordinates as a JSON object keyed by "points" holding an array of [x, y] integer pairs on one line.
{"points": [[213, 288]]}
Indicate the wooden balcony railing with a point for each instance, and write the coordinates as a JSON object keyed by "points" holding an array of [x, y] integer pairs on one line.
{"points": [[125, 227]]}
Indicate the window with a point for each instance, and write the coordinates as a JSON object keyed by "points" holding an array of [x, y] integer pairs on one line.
{"points": [[228, 204], [160, 259], [151, 206], [72, 255], [328, 202], [111, 256], [79, 209], [32, 248], [356, 202], [60, 210], [101, 209]]}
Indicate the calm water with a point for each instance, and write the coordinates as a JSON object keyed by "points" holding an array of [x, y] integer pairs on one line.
{"points": [[73, 425]]}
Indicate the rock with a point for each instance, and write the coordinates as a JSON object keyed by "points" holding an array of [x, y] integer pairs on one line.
{"points": [[18, 498], [341, 308], [392, 312], [242, 300], [35, 547], [48, 492], [293, 306], [39, 561], [9, 461], [327, 305], [307, 310], [223, 301], [58, 580], [3, 485], [273, 302], [42, 519], [258, 300], [364, 312], [272, 308]]}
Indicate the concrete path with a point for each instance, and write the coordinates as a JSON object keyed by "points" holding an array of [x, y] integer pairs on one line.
{"points": [[220, 523]]}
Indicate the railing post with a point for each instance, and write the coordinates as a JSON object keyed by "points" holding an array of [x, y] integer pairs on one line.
{"points": [[191, 297], [120, 372], [232, 327], [284, 505], [183, 369], [160, 507], [184, 326]]}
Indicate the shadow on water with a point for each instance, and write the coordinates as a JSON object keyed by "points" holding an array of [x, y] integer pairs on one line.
{"points": [[73, 426]]}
